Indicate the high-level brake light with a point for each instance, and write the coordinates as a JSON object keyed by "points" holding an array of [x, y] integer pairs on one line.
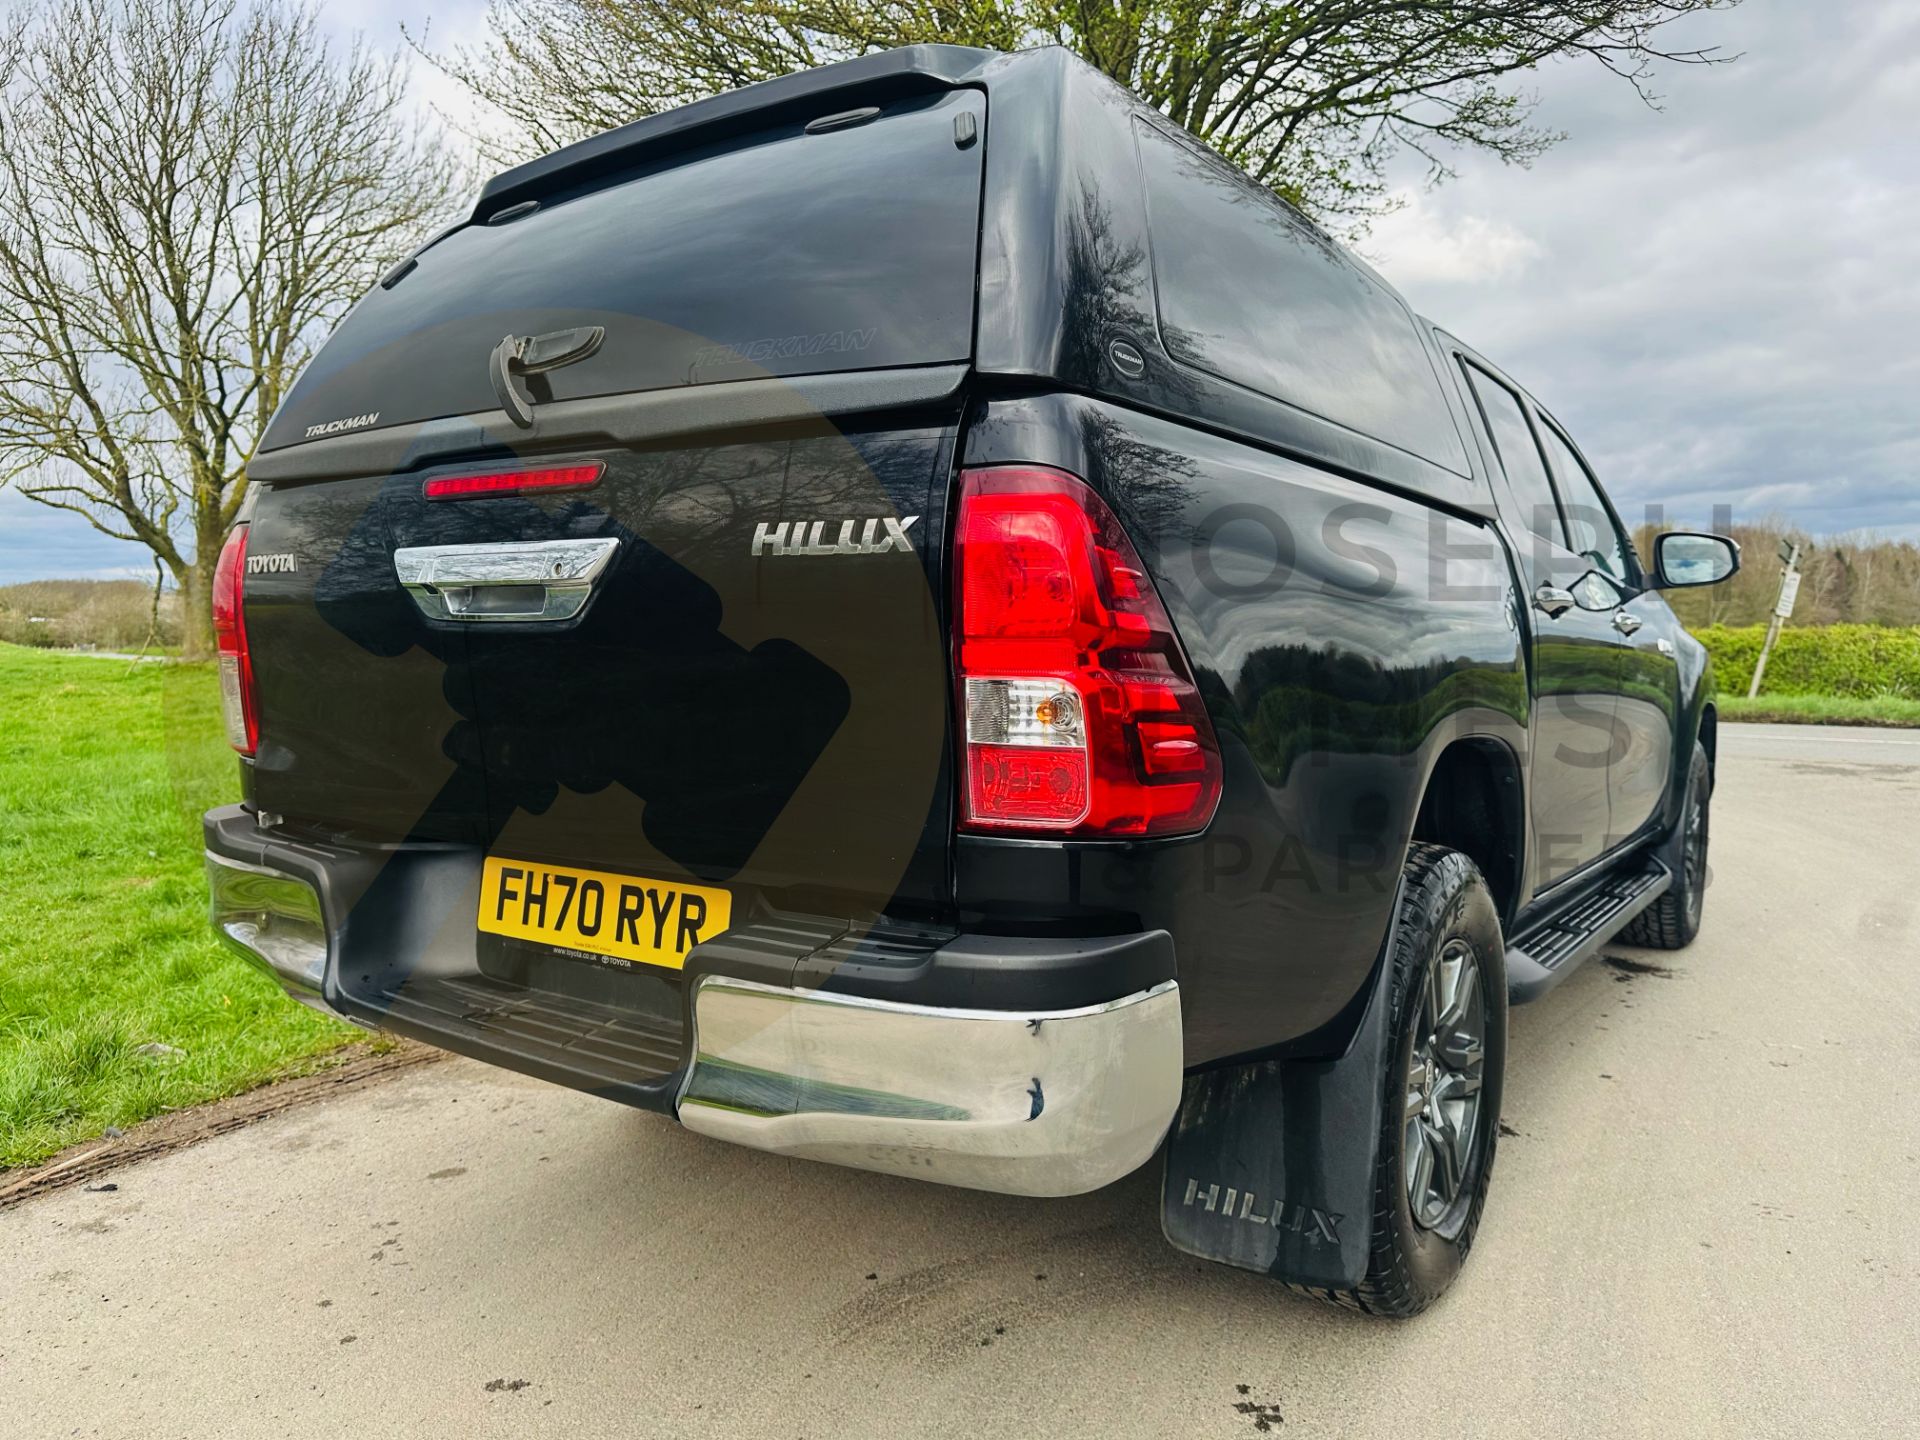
{"points": [[513, 482], [1080, 713]]}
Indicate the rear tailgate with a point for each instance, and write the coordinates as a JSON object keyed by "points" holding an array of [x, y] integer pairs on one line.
{"points": [[748, 717], [773, 718]]}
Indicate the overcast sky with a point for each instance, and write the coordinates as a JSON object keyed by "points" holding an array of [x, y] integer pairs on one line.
{"points": [[1720, 299]]}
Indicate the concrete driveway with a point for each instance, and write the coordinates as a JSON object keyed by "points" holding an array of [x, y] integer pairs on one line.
{"points": [[1703, 1222]]}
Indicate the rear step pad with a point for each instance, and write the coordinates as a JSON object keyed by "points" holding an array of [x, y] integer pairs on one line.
{"points": [[602, 1048], [1550, 949]]}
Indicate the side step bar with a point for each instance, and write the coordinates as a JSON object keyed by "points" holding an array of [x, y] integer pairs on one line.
{"points": [[1551, 948]]}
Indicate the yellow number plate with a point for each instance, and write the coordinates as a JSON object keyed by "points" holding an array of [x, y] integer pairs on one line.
{"points": [[650, 922]]}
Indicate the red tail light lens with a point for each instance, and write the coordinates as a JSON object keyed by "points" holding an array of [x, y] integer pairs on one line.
{"points": [[513, 482], [1081, 715], [230, 638]]}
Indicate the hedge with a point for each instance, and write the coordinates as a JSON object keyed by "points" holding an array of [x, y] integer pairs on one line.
{"points": [[1854, 660]]}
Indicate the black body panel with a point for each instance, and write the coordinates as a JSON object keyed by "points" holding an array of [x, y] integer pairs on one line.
{"points": [[1338, 663], [1066, 271], [774, 724]]}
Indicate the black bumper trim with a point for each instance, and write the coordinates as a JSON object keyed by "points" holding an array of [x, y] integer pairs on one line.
{"points": [[993, 972]]}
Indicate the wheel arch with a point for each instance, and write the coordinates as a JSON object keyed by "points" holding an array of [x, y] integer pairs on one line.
{"points": [[1474, 801]]}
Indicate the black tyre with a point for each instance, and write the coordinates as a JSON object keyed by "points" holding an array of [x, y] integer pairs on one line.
{"points": [[1672, 921], [1445, 1059]]}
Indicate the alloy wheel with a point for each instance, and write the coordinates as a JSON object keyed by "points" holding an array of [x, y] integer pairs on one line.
{"points": [[1443, 1090]]}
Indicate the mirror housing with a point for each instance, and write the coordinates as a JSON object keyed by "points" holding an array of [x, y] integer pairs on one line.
{"points": [[1683, 558]]}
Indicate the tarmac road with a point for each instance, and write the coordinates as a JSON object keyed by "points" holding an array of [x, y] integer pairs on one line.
{"points": [[1703, 1223]]}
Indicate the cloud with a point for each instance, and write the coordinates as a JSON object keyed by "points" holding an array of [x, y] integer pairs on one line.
{"points": [[1418, 244], [37, 543], [1720, 297]]}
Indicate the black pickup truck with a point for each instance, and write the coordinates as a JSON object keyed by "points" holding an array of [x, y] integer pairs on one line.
{"points": [[912, 616]]}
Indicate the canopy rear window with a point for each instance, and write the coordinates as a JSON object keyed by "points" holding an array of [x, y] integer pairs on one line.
{"points": [[780, 253]]}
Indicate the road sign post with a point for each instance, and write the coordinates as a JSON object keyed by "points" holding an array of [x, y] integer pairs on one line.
{"points": [[1782, 609]]}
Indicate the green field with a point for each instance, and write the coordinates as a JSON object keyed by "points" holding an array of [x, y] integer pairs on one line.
{"points": [[1821, 709], [104, 945]]}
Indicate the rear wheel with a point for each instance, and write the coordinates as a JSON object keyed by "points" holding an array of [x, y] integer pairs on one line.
{"points": [[1440, 1119], [1672, 921]]}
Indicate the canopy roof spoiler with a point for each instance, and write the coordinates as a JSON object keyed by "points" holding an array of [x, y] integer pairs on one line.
{"points": [[888, 72]]}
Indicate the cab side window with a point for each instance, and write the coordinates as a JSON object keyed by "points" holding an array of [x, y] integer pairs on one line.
{"points": [[1251, 291], [1519, 455], [1595, 533]]}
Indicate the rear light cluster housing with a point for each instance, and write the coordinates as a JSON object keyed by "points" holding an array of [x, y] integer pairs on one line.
{"points": [[1079, 713], [230, 642]]}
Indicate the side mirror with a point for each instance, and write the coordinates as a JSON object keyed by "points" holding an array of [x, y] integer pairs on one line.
{"points": [[1681, 558]]}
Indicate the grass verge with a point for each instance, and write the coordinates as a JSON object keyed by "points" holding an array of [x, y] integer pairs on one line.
{"points": [[1822, 709], [105, 767]]}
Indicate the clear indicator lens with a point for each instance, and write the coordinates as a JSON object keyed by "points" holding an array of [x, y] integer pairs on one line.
{"points": [[233, 706], [1034, 711]]}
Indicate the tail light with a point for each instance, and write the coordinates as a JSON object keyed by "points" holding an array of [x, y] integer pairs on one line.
{"points": [[1081, 715], [230, 637]]}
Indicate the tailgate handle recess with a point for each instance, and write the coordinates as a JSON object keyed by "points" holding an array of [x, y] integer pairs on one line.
{"points": [[529, 580]]}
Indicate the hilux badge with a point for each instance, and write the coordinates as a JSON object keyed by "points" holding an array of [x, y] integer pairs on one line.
{"points": [[875, 536]]}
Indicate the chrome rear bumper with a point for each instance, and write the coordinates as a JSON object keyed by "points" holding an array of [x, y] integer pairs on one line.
{"points": [[1033, 1101], [1021, 1102], [273, 919]]}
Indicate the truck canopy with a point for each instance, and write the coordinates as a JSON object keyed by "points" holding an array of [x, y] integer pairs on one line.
{"points": [[797, 248]]}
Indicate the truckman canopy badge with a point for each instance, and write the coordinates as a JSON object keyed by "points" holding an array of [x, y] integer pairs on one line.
{"points": [[351, 422]]}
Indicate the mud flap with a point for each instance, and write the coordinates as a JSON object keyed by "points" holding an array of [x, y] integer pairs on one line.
{"points": [[1270, 1165]]}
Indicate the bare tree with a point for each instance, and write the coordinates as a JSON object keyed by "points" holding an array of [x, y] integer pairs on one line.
{"points": [[191, 193], [1311, 97]]}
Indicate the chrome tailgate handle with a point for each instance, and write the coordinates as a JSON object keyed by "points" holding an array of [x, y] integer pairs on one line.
{"points": [[518, 580]]}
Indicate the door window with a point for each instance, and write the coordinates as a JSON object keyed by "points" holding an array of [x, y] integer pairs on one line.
{"points": [[1519, 455], [1595, 533]]}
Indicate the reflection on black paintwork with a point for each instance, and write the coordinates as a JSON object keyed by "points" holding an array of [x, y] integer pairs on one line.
{"points": [[765, 722], [361, 727], [1314, 701]]}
